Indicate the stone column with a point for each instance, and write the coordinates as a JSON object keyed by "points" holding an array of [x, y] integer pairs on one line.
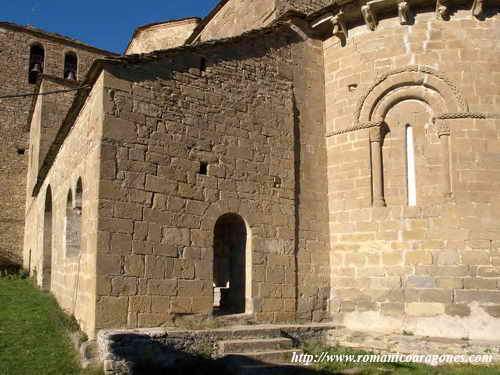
{"points": [[376, 136], [443, 131]]}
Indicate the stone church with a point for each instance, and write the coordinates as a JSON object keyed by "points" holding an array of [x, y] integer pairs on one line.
{"points": [[287, 160]]}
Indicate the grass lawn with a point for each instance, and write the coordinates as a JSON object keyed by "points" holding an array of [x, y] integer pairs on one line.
{"points": [[34, 336], [393, 368]]}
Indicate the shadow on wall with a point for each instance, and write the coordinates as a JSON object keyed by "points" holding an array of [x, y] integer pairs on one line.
{"points": [[137, 354], [9, 265], [164, 64]]}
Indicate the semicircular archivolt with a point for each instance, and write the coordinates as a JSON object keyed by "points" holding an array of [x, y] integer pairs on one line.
{"points": [[420, 93], [413, 76]]}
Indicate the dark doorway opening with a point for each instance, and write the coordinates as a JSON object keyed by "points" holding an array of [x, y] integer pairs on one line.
{"points": [[230, 243]]}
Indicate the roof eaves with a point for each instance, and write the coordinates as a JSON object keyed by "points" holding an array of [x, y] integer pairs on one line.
{"points": [[197, 31], [139, 29], [54, 36]]}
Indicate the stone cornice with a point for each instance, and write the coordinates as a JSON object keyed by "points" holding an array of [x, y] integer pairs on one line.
{"points": [[441, 116], [370, 12], [467, 115], [39, 33]]}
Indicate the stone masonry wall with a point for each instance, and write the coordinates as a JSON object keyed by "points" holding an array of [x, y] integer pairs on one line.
{"points": [[72, 279], [311, 190], [238, 16], [47, 118], [14, 59], [157, 212], [162, 36], [432, 269]]}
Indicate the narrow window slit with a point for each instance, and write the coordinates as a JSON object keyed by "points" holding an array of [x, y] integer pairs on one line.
{"points": [[411, 183], [203, 168]]}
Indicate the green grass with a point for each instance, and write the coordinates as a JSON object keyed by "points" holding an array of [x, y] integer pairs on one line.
{"points": [[393, 368], [34, 333]]}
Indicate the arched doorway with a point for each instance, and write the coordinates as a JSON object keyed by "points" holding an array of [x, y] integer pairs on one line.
{"points": [[230, 265]]}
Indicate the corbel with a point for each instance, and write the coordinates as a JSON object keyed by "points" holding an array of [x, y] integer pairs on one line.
{"points": [[404, 12], [369, 16], [300, 27], [339, 26], [442, 9], [337, 22], [478, 8]]}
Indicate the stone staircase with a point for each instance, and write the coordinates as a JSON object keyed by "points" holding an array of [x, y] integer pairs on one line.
{"points": [[256, 356], [241, 349]]}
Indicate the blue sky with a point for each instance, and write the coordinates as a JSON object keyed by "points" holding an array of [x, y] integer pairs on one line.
{"points": [[106, 24]]}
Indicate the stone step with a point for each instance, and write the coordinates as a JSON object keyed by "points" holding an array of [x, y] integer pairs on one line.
{"points": [[268, 331], [254, 345], [234, 319], [247, 333], [260, 357]]}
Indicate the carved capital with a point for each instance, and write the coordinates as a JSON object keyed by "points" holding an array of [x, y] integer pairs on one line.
{"points": [[404, 12], [369, 16], [442, 127], [442, 11], [478, 8], [376, 134]]}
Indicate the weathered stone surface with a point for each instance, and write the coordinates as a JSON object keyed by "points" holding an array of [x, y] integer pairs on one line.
{"points": [[366, 185], [424, 309], [420, 282], [457, 310], [161, 36]]}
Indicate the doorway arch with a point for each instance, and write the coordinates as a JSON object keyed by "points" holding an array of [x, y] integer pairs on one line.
{"points": [[231, 272]]}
